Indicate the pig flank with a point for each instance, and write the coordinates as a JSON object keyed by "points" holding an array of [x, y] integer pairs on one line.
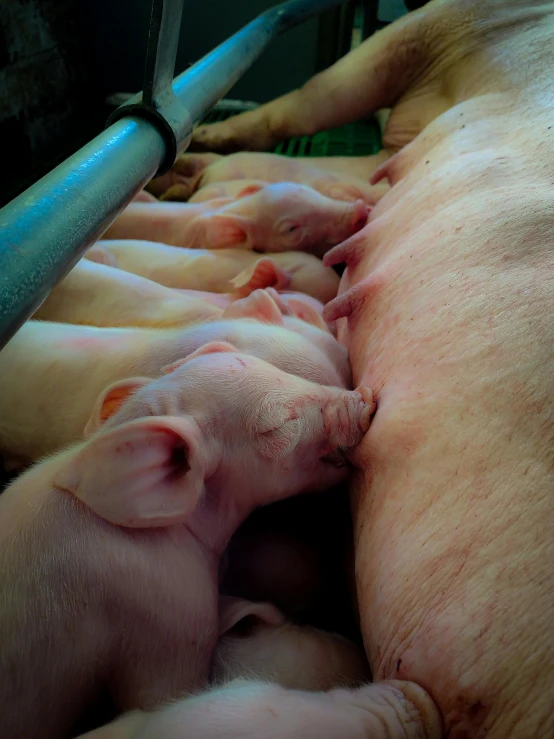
{"points": [[77, 628]]}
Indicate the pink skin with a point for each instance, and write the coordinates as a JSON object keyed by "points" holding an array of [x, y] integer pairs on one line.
{"points": [[246, 709], [173, 466], [285, 216], [257, 640], [447, 309], [221, 270], [232, 189], [277, 217], [72, 364], [290, 303], [144, 197], [194, 171], [95, 294]]}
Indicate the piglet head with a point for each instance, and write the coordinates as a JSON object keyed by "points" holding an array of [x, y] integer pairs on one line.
{"points": [[230, 422], [274, 434], [287, 216]]}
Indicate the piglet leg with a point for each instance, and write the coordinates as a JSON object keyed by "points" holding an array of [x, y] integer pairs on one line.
{"points": [[253, 710]]}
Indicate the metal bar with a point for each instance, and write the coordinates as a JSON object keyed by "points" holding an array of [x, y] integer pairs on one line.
{"points": [[163, 40], [48, 228]]}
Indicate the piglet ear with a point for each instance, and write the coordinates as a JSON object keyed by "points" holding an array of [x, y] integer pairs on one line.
{"points": [[233, 611], [307, 313], [225, 229], [145, 473], [263, 273], [212, 347], [259, 305], [250, 190], [111, 400]]}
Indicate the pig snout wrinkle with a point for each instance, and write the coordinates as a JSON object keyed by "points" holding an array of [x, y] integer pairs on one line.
{"points": [[348, 418]]}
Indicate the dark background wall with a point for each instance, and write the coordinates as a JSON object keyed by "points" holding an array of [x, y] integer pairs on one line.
{"points": [[117, 31], [59, 59]]}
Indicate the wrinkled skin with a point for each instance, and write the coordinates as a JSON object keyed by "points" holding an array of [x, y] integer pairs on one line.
{"points": [[96, 294], [276, 217], [72, 364], [195, 171], [184, 458], [450, 318], [222, 270]]}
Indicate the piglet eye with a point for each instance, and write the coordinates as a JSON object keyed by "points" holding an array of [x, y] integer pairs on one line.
{"points": [[288, 227]]}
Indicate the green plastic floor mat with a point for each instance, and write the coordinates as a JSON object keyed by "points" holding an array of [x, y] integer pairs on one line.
{"points": [[354, 139]]}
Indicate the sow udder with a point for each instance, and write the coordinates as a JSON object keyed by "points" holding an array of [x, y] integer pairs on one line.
{"points": [[453, 327]]}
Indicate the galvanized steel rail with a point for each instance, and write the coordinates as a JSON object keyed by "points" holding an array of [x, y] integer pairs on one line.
{"points": [[49, 227]]}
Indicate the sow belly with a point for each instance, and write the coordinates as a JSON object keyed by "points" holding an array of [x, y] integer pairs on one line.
{"points": [[450, 319]]}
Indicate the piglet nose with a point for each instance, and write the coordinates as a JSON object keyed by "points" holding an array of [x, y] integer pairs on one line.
{"points": [[360, 212]]}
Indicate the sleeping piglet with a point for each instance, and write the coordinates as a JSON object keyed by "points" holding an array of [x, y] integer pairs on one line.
{"points": [[51, 373], [277, 217], [258, 641], [284, 216], [110, 550]]}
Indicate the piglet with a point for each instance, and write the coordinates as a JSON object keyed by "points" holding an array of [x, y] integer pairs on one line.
{"points": [[110, 550], [220, 270], [257, 640], [194, 171], [52, 373], [95, 293], [249, 709], [285, 216], [276, 217]]}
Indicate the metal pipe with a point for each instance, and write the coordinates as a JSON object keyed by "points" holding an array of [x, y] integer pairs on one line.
{"points": [[48, 228]]}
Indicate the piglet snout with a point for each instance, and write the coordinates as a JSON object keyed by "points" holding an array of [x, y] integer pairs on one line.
{"points": [[347, 418]]}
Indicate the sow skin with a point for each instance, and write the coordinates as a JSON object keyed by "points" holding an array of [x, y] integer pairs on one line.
{"points": [[447, 308]]}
